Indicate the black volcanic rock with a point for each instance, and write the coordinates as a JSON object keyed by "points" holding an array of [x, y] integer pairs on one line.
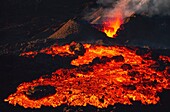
{"points": [[133, 73], [158, 66], [96, 60], [142, 52], [38, 92], [144, 31], [126, 67], [130, 87], [43, 58], [105, 59], [84, 68], [119, 58], [168, 70], [64, 61], [77, 48]]}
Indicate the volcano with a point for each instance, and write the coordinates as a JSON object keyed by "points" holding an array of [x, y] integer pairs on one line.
{"points": [[75, 64]]}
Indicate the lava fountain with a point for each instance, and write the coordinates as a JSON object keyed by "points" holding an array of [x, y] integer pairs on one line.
{"points": [[111, 26]]}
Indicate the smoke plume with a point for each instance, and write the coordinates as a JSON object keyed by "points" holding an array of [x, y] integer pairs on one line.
{"points": [[125, 8]]}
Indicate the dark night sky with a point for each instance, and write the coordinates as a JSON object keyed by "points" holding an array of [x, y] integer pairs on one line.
{"points": [[38, 7]]}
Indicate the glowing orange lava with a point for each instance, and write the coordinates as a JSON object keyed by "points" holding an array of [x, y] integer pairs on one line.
{"points": [[104, 75], [111, 26], [54, 50]]}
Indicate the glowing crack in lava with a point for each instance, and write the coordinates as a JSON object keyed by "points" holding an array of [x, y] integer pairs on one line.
{"points": [[104, 75], [110, 26]]}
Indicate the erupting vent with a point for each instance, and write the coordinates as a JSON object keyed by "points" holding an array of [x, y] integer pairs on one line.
{"points": [[101, 76], [111, 26]]}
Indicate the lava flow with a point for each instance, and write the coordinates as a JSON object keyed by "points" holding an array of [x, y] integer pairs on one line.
{"points": [[110, 26], [102, 76]]}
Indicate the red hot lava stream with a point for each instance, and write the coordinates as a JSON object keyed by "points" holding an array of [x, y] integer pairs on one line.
{"points": [[105, 75]]}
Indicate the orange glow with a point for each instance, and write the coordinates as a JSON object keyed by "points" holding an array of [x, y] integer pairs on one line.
{"points": [[111, 26], [60, 50], [99, 83]]}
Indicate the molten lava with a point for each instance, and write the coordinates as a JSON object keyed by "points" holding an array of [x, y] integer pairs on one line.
{"points": [[104, 75], [111, 26]]}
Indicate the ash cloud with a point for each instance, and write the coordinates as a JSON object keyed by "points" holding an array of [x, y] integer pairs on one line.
{"points": [[126, 8]]}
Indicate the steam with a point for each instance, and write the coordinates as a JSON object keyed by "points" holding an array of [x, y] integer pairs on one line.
{"points": [[125, 8]]}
